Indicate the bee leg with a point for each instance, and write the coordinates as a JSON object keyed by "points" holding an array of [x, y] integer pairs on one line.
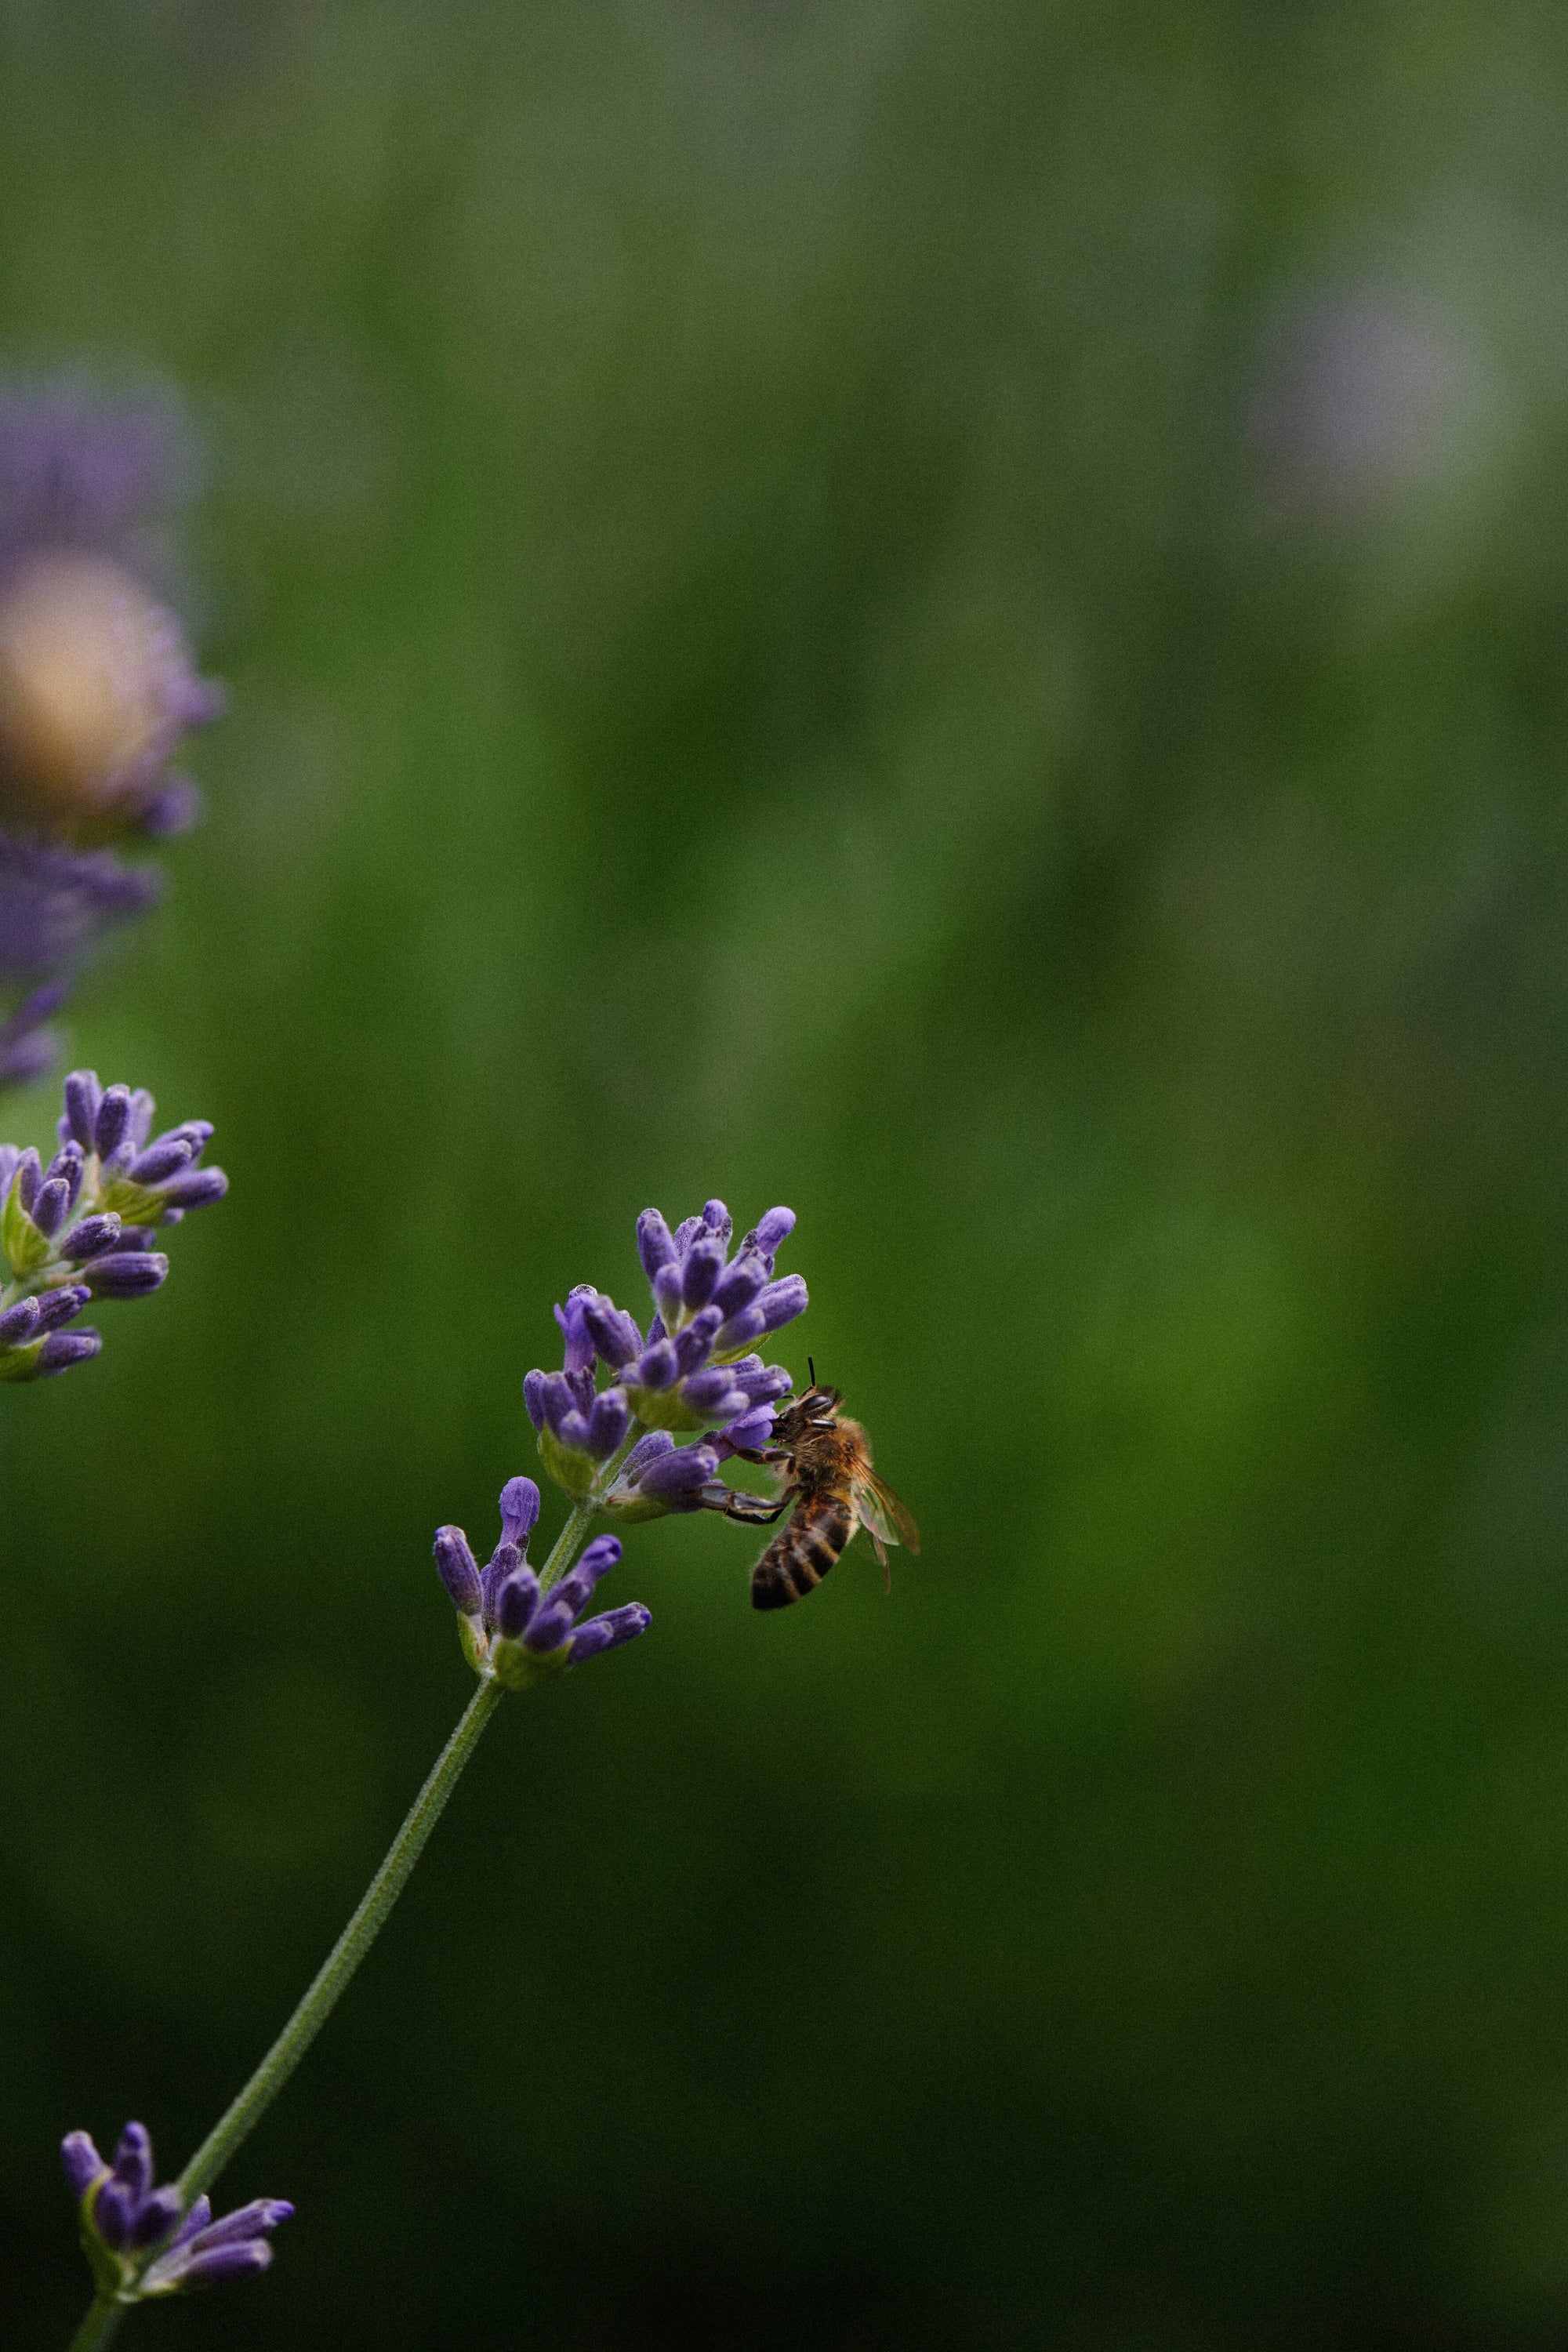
{"points": [[751, 1510]]}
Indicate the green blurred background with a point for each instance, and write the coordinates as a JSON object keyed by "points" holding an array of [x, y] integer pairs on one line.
{"points": [[952, 613]]}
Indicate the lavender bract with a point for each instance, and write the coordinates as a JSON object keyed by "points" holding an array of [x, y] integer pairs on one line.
{"points": [[512, 1629], [79, 1228], [141, 2240]]}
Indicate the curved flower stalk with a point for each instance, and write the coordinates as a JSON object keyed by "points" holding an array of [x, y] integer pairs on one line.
{"points": [[144, 2241], [79, 1228], [97, 690], [519, 1626]]}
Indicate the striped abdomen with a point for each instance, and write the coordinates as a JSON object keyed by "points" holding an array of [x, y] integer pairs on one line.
{"points": [[801, 1554]]}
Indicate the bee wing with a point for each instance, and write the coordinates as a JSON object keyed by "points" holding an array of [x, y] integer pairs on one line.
{"points": [[885, 1519]]}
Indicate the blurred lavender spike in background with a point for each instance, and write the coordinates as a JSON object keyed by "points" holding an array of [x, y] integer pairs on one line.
{"points": [[98, 687]]}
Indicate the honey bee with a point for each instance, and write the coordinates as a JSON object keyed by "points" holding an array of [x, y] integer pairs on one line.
{"points": [[829, 1490]]}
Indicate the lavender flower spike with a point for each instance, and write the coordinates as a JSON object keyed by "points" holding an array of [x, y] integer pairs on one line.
{"points": [[711, 1308], [511, 1630], [79, 1229], [691, 1372], [140, 2239]]}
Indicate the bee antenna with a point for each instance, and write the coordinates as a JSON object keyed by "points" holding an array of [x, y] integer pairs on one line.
{"points": [[811, 1368]]}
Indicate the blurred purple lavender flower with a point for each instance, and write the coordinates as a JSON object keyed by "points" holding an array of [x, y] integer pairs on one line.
{"points": [[97, 683], [80, 1228], [142, 2242], [690, 1372], [511, 1627]]}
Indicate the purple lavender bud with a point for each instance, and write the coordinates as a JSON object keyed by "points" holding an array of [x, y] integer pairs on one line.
{"points": [[18, 1323], [749, 1430], [127, 1273], [29, 1176], [769, 1235], [10, 1153], [458, 1571], [113, 1118], [686, 1232], [196, 1189], [656, 1245], [67, 1163], [575, 1588], [162, 1159], [533, 1397], [718, 1221], [646, 1452], [679, 1471], [746, 1323], [91, 1238], [504, 1561], [133, 2159], [216, 2264], [608, 1631], [608, 1422], [197, 1132], [614, 1334], [519, 1510], [81, 2160], [781, 1302], [194, 2222], [740, 1282], [52, 1206], [574, 1329], [246, 2220], [139, 1126], [656, 1368], [550, 1627], [27, 1054], [174, 808], [517, 1603], [156, 2218], [714, 1392], [83, 1095], [63, 1348], [695, 1344], [762, 1382], [556, 1399], [699, 1275], [113, 2209], [665, 1281], [57, 1306]]}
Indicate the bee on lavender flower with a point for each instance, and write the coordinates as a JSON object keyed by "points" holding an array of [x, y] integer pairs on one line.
{"points": [[829, 1490]]}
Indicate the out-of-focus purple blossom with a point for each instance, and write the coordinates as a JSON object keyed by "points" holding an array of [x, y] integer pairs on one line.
{"points": [[98, 687], [80, 1228], [1367, 392], [141, 2240], [511, 1627]]}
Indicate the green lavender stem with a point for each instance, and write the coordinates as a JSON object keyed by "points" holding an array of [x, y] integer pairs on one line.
{"points": [[378, 1898], [370, 1917], [347, 1953], [98, 2326]]}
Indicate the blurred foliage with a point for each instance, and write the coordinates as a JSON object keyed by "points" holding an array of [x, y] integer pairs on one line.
{"points": [[953, 614]]}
